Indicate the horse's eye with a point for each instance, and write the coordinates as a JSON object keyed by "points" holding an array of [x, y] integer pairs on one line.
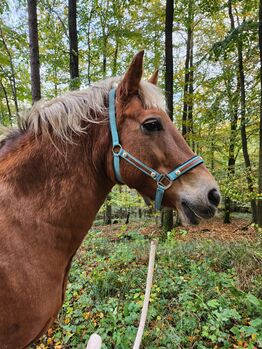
{"points": [[152, 125]]}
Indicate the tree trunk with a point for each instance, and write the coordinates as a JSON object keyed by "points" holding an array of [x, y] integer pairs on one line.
{"points": [[187, 118], [259, 204], [168, 223], [11, 78], [104, 65], [191, 94], [105, 35], [169, 83], [108, 212], [114, 70], [121, 214], [127, 217], [89, 46], [34, 50], [243, 114], [244, 134], [73, 45], [233, 100], [8, 106], [212, 153], [232, 141]]}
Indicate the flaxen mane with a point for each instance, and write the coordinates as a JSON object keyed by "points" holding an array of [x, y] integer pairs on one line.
{"points": [[65, 114]]}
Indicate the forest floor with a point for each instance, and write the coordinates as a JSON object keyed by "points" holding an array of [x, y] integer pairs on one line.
{"points": [[238, 230], [207, 290]]}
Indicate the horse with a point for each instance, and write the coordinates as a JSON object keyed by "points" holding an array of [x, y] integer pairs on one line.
{"points": [[56, 170]]}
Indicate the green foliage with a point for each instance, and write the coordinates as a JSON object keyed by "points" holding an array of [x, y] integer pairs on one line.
{"points": [[126, 198], [199, 299]]}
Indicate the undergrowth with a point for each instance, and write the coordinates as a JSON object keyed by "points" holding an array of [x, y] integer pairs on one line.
{"points": [[206, 294]]}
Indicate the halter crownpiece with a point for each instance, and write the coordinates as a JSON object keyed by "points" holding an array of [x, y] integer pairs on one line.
{"points": [[164, 181]]}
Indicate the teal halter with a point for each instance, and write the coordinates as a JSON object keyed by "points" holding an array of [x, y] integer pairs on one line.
{"points": [[163, 181]]}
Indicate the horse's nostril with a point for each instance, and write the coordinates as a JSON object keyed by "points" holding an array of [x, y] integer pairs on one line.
{"points": [[214, 197]]}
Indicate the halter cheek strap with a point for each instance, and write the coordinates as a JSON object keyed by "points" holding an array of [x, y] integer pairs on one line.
{"points": [[163, 181]]}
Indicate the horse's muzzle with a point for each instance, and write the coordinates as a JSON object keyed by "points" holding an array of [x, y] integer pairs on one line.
{"points": [[195, 212]]}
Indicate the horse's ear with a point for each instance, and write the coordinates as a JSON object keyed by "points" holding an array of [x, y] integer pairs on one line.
{"points": [[130, 83], [154, 78]]}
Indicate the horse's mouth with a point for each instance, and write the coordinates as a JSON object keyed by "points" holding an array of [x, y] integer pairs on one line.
{"points": [[195, 213]]}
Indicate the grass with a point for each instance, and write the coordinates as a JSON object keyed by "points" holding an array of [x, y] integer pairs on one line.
{"points": [[206, 294]]}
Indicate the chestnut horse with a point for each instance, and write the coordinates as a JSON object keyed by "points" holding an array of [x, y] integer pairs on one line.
{"points": [[56, 171]]}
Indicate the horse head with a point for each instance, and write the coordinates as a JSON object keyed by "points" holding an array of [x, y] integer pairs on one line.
{"points": [[149, 137]]}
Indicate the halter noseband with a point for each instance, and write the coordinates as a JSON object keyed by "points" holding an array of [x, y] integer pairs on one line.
{"points": [[164, 181]]}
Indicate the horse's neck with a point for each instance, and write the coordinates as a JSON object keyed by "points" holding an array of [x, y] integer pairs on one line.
{"points": [[59, 192]]}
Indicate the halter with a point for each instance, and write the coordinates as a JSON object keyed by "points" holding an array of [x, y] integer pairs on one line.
{"points": [[164, 181]]}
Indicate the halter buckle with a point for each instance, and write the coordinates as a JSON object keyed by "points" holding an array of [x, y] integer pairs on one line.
{"points": [[164, 182], [116, 149]]}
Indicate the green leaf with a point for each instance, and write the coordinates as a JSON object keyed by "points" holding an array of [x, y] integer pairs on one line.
{"points": [[257, 323], [213, 303], [254, 300]]}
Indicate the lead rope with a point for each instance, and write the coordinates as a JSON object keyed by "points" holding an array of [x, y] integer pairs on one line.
{"points": [[95, 341], [149, 282]]}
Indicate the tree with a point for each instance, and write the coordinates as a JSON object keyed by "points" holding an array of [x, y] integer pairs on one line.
{"points": [[187, 123], [108, 210], [233, 105], [73, 45], [34, 50], [243, 112], [259, 204], [169, 85], [233, 99], [9, 76], [54, 37]]}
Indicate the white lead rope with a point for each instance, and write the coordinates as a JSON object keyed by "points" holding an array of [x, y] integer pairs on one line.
{"points": [[95, 341], [149, 282]]}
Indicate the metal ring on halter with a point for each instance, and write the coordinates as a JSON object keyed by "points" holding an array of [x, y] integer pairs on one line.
{"points": [[119, 146], [161, 180]]}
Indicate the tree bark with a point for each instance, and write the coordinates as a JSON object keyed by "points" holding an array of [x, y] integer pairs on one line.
{"points": [[187, 118], [243, 131], [104, 65], [259, 203], [232, 140], [89, 46], [114, 70], [12, 77], [34, 50], [108, 212], [243, 114], [105, 35], [7, 104], [191, 91], [169, 85], [127, 217], [212, 152], [73, 45]]}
